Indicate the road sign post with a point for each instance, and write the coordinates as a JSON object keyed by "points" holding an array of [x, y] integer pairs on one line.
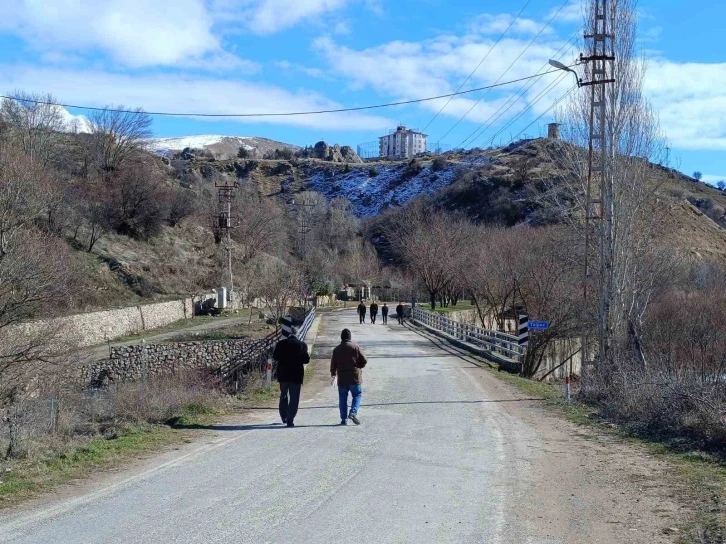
{"points": [[535, 326]]}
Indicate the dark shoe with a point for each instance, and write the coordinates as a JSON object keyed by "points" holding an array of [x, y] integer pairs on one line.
{"points": [[290, 424], [284, 420], [354, 418], [343, 422]]}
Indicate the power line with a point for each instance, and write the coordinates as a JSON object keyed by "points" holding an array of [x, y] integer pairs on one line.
{"points": [[286, 114], [515, 98], [478, 65], [519, 115], [509, 68], [560, 99]]}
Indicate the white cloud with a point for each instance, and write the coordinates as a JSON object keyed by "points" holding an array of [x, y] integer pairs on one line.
{"points": [[161, 92], [342, 28], [574, 12], [270, 16], [691, 101], [299, 68], [136, 33], [409, 70], [496, 24]]}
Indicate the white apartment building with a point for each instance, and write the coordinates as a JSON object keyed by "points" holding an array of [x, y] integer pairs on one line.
{"points": [[404, 143]]}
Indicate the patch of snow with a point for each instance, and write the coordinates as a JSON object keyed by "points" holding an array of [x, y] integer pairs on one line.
{"points": [[369, 196], [74, 123], [194, 142]]}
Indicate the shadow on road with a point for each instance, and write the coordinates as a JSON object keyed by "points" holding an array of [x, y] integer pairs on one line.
{"points": [[406, 403], [265, 427]]}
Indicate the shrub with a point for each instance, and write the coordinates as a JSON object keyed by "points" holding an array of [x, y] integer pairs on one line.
{"points": [[373, 171], [439, 164]]}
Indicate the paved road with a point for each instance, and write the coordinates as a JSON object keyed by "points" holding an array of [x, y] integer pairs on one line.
{"points": [[433, 461]]}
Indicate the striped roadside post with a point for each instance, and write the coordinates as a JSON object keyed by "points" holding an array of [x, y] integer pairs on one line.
{"points": [[287, 325], [522, 331], [269, 373]]}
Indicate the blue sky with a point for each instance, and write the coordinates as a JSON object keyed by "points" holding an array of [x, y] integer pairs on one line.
{"points": [[237, 56]]}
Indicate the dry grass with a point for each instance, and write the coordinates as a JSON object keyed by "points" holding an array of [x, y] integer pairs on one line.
{"points": [[95, 432]]}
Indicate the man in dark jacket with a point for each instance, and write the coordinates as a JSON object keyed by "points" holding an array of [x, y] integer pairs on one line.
{"points": [[362, 311], [374, 312], [399, 313], [291, 355], [384, 313], [347, 364]]}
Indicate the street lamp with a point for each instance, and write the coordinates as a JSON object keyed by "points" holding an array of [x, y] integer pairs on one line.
{"points": [[560, 66]]}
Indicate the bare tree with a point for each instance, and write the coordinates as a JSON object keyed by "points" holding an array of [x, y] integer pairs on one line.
{"points": [[628, 228], [36, 124], [279, 285], [431, 243], [490, 273], [24, 193], [116, 134], [260, 224]]}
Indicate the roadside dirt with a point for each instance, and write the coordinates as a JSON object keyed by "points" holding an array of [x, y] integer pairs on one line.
{"points": [[611, 490], [584, 483]]}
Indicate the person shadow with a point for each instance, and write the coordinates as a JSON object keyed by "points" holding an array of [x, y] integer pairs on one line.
{"points": [[258, 427]]}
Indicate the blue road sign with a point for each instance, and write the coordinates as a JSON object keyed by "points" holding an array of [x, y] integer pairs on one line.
{"points": [[539, 325]]}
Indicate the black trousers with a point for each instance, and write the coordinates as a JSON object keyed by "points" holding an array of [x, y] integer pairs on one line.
{"points": [[289, 400], [400, 319], [385, 318], [373, 318], [362, 318]]}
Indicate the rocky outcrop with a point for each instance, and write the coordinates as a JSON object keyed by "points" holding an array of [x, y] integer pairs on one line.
{"points": [[335, 153]]}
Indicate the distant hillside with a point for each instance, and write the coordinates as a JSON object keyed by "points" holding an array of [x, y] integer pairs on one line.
{"points": [[222, 147]]}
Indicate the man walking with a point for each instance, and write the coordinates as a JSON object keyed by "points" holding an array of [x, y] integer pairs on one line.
{"points": [[362, 312], [291, 355], [399, 313], [384, 313], [374, 312], [347, 364]]}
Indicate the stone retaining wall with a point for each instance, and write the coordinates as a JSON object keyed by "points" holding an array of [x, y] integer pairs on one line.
{"points": [[136, 362], [98, 327]]}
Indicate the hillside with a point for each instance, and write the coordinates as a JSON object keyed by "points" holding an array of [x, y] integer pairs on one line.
{"points": [[504, 186], [221, 147]]}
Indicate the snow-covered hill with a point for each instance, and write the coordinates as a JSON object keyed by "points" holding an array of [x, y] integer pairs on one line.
{"points": [[220, 145], [372, 189]]}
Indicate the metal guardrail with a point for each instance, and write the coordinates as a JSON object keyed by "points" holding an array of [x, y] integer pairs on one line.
{"points": [[495, 341], [255, 359], [307, 323]]}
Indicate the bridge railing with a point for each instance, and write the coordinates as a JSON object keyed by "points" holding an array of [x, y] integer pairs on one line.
{"points": [[495, 341], [256, 356]]}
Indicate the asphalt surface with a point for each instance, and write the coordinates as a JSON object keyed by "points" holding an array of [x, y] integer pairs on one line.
{"points": [[434, 460]]}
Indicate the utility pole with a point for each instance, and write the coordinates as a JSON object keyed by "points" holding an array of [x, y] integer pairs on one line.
{"points": [[226, 190], [600, 62], [303, 214], [304, 227]]}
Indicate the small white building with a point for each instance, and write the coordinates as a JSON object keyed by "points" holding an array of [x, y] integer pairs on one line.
{"points": [[404, 143]]}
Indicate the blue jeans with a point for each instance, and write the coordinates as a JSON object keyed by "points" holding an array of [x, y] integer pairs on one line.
{"points": [[356, 391]]}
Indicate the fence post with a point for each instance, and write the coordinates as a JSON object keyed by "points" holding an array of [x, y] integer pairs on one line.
{"points": [[269, 374]]}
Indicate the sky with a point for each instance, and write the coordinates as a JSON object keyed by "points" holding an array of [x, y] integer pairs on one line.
{"points": [[265, 56]]}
